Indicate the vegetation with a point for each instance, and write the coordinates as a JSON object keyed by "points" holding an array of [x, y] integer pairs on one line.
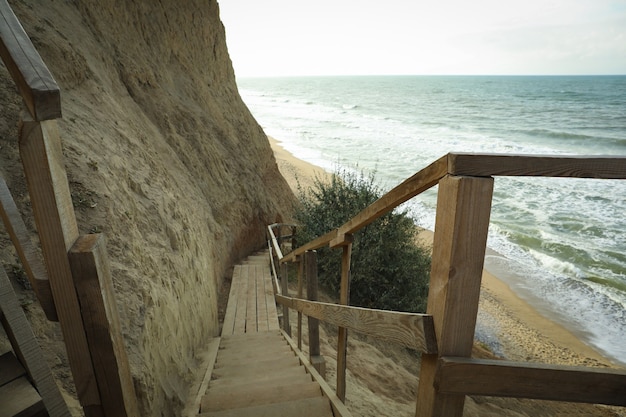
{"points": [[389, 270]]}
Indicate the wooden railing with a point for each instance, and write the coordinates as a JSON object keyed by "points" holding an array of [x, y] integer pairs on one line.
{"points": [[445, 334], [75, 285]]}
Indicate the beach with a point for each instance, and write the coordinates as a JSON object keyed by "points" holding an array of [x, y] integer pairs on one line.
{"points": [[507, 325]]}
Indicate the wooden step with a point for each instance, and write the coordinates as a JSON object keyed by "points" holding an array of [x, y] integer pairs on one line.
{"points": [[266, 378], [238, 358], [19, 398], [249, 396], [252, 345], [247, 384], [308, 407], [250, 337], [257, 368]]}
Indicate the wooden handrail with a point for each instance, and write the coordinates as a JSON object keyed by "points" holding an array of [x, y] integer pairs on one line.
{"points": [[463, 208], [412, 330], [35, 82], [531, 380]]}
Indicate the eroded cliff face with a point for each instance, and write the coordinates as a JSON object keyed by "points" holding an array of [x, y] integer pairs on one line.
{"points": [[163, 157]]}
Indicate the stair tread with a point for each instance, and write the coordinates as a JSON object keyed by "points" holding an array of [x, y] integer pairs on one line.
{"points": [[248, 396], [310, 407], [257, 368], [231, 380], [245, 384], [234, 359]]}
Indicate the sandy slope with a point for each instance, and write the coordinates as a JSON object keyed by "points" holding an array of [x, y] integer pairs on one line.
{"points": [[382, 380]]}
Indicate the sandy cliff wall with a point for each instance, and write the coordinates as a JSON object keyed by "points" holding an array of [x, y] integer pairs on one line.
{"points": [[163, 157]]}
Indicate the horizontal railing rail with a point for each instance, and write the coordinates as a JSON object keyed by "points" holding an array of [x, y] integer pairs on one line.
{"points": [[463, 210], [36, 84]]}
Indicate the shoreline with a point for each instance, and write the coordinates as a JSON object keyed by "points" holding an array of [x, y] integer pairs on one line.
{"points": [[521, 332]]}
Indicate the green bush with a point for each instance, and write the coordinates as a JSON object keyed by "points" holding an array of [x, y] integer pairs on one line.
{"points": [[389, 270]]}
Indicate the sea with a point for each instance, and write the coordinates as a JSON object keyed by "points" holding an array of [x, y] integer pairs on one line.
{"points": [[560, 244]]}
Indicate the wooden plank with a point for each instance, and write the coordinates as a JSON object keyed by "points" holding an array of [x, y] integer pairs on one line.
{"points": [[42, 158], [35, 82], [484, 165], [413, 330], [461, 224], [267, 378], [11, 368], [231, 306], [300, 266], [242, 305], [272, 313], [92, 278], [261, 302], [199, 388], [28, 350], [342, 332], [339, 408], [274, 241], [251, 307], [409, 188], [531, 380], [19, 398], [284, 284], [35, 270], [309, 407], [251, 370], [258, 395], [312, 245]]}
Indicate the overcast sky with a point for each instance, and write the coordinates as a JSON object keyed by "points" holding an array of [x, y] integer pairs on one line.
{"points": [[366, 37]]}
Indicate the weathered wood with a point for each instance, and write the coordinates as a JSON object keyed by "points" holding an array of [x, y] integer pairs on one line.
{"points": [[477, 165], [251, 307], [35, 270], [231, 308], [27, 349], [339, 408], [272, 314], [19, 398], [462, 221], [274, 241], [284, 283], [9, 365], [301, 267], [35, 82], [412, 330], [258, 395], [315, 356], [531, 380], [241, 301], [42, 158], [342, 332], [199, 388], [310, 407], [312, 245], [92, 278], [409, 188]]}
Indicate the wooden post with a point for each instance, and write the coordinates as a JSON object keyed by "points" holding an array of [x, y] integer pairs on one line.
{"points": [[463, 211], [42, 158], [92, 278], [28, 350], [315, 356], [345, 241], [35, 269], [301, 264], [284, 284]]}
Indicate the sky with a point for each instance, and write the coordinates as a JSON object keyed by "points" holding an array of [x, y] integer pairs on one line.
{"points": [[425, 37]]}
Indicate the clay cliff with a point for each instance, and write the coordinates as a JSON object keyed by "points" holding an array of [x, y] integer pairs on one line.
{"points": [[164, 158]]}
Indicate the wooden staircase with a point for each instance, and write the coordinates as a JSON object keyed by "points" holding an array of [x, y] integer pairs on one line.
{"points": [[255, 371]]}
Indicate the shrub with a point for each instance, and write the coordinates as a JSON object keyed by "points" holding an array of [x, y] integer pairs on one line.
{"points": [[389, 270]]}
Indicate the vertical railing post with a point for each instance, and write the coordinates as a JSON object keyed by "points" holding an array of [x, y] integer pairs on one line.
{"points": [[300, 290], [315, 356], [284, 285], [345, 241], [463, 211]]}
